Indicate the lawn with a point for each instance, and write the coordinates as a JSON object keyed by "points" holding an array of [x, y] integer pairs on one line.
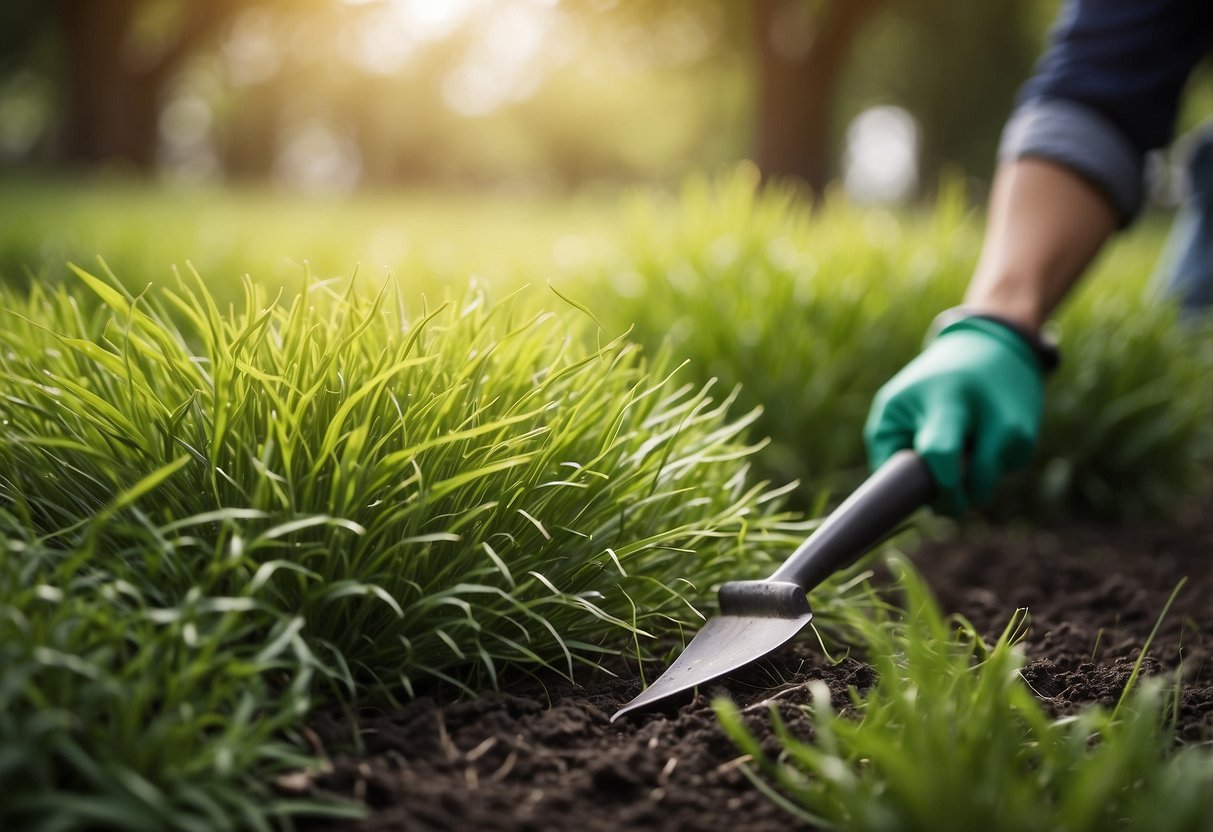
{"points": [[375, 509], [430, 241]]}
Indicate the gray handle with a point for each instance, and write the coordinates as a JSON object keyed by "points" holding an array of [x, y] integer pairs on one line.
{"points": [[899, 488]]}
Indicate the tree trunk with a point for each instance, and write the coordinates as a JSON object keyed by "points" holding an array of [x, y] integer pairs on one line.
{"points": [[111, 98], [801, 57], [110, 112]]}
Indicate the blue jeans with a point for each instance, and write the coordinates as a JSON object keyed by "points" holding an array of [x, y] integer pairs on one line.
{"points": [[1187, 273]]}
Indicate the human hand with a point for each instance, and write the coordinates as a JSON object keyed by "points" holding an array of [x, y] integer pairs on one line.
{"points": [[970, 404]]}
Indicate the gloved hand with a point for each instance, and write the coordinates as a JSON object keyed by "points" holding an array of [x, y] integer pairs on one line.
{"points": [[970, 404]]}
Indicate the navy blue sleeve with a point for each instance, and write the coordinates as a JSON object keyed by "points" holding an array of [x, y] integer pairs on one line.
{"points": [[1107, 89]]}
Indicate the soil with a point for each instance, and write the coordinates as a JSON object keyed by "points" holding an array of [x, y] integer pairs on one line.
{"points": [[549, 759]]}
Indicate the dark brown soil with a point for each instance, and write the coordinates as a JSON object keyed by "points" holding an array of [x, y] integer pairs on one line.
{"points": [[1093, 596], [550, 760]]}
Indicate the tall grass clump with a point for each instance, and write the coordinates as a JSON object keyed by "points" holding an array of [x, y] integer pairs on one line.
{"points": [[214, 516], [124, 708], [951, 737], [1128, 429], [807, 311], [811, 311], [464, 489]]}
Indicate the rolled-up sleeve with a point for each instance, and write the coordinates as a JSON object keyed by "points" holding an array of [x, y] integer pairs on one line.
{"points": [[1107, 90]]}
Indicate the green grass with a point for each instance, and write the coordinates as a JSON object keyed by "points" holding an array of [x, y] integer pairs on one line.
{"points": [[951, 737], [811, 313], [122, 707], [220, 505], [429, 240], [213, 518]]}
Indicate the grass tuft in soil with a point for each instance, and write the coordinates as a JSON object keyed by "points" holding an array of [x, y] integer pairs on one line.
{"points": [[952, 736], [214, 518]]}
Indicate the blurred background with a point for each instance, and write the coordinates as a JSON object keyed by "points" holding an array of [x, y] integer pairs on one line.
{"points": [[330, 96]]}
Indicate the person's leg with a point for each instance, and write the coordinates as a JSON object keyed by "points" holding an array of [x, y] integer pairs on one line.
{"points": [[1187, 272]]}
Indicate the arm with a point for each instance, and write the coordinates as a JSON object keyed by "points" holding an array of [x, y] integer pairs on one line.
{"points": [[971, 404], [1072, 154], [1045, 226], [1104, 94]]}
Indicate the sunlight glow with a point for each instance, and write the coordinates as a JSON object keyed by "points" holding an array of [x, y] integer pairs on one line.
{"points": [[318, 160], [251, 51], [380, 42], [502, 41], [433, 21], [425, 19], [500, 65]]}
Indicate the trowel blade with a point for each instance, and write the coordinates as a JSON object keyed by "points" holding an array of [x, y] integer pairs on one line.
{"points": [[726, 643]]}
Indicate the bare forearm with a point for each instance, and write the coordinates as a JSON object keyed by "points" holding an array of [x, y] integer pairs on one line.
{"points": [[1045, 226]]}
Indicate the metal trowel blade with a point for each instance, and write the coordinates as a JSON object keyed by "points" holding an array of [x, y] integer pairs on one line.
{"points": [[726, 643]]}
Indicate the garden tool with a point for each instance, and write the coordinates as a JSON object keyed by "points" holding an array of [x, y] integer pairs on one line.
{"points": [[757, 617]]}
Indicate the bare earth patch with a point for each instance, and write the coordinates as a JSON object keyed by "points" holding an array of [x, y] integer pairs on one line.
{"points": [[550, 760]]}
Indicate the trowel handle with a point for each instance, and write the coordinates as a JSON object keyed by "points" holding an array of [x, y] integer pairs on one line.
{"points": [[898, 488]]}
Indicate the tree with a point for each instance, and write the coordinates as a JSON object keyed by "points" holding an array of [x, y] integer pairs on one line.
{"points": [[802, 49], [118, 56]]}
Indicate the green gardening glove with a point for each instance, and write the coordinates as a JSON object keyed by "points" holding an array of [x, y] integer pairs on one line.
{"points": [[970, 404]]}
